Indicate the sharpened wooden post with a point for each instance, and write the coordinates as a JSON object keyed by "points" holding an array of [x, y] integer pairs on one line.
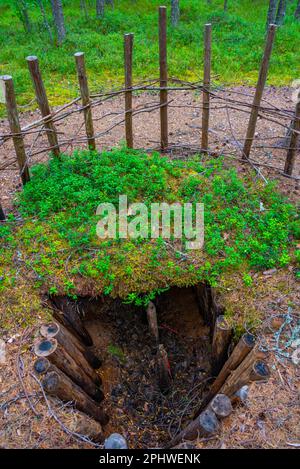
{"points": [[14, 124], [163, 77], [85, 98], [206, 86], [128, 47], [41, 96], [259, 91], [293, 146]]}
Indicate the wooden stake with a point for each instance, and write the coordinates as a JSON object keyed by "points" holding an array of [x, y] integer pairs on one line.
{"points": [[53, 329], [221, 406], [203, 426], [259, 91], [163, 370], [59, 385], [57, 355], [206, 86], [152, 320], [42, 100], [15, 128], [128, 47], [64, 339], [163, 77], [85, 98], [293, 146], [221, 340]]}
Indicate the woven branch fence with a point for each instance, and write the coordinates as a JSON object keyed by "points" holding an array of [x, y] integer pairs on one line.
{"points": [[46, 137]]}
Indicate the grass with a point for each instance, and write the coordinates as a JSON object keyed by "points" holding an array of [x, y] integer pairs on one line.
{"points": [[53, 248], [238, 38]]}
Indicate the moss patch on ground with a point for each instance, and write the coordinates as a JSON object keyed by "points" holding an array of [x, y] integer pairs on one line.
{"points": [[52, 246]]}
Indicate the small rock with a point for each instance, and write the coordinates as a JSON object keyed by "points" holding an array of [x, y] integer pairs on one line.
{"points": [[115, 441], [270, 272]]}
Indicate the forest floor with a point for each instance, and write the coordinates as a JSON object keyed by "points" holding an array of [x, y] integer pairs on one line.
{"points": [[271, 416], [227, 132]]}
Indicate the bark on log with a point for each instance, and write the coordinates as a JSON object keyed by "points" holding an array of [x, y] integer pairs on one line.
{"points": [[152, 320], [203, 426], [163, 370], [86, 425], [68, 342], [70, 318], [221, 406], [57, 355], [221, 340], [59, 385], [245, 374]]}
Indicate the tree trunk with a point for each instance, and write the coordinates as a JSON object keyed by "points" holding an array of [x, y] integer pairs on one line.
{"points": [[83, 8], [45, 21], [281, 11], [23, 9], [100, 8], [272, 12], [58, 17], [225, 5], [297, 11], [175, 12]]}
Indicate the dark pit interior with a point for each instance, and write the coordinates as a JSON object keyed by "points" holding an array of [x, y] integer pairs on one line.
{"points": [[137, 408]]}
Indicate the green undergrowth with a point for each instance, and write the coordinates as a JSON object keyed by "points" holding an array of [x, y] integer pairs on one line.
{"points": [[238, 42], [51, 246]]}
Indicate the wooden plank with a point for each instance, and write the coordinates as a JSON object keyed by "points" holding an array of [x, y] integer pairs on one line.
{"points": [[85, 99]]}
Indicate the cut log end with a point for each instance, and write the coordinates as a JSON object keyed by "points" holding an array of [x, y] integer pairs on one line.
{"points": [[221, 406], [45, 347], [260, 371], [41, 366], [208, 422], [249, 340], [49, 330]]}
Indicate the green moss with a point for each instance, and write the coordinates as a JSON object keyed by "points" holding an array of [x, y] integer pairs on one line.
{"points": [[249, 227]]}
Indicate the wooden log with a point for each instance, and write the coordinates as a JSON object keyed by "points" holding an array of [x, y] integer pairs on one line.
{"points": [[59, 385], [163, 77], [163, 370], [65, 340], [41, 96], [152, 320], [206, 86], [208, 307], [55, 328], [293, 144], [221, 340], [15, 127], [241, 350], [128, 47], [243, 375], [57, 355], [221, 406], [85, 99], [69, 316], [259, 91], [85, 425], [203, 426]]}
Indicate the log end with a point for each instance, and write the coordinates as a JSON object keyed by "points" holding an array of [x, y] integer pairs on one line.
{"points": [[221, 406], [41, 366], [44, 347], [208, 421]]}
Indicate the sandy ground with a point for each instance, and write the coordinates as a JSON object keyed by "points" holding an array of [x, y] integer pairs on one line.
{"points": [[227, 131]]}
